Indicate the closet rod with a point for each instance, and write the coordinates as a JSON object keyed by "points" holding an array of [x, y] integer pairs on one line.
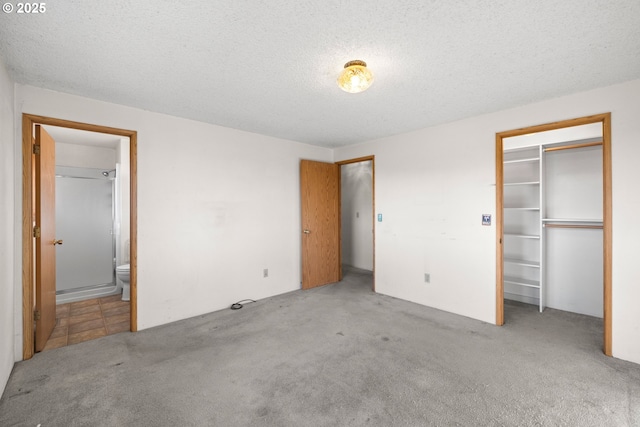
{"points": [[568, 147], [571, 226]]}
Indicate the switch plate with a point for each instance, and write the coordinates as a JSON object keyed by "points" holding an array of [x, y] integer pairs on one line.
{"points": [[379, 217], [265, 272], [427, 278]]}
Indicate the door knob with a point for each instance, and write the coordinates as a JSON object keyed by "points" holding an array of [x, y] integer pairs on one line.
{"points": [[306, 231], [57, 242]]}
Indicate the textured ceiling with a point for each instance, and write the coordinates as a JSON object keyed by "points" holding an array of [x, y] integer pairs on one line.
{"points": [[270, 67]]}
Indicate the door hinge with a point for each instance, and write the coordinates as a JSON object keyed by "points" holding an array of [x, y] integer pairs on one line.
{"points": [[36, 315], [36, 232], [36, 149]]}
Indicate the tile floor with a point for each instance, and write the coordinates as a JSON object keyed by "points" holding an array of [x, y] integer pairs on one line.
{"points": [[87, 320]]}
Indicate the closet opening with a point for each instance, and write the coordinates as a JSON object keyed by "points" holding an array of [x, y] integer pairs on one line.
{"points": [[553, 218]]}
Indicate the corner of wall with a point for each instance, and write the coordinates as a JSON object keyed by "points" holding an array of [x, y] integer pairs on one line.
{"points": [[7, 225]]}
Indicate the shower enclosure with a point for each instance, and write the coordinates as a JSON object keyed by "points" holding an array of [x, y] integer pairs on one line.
{"points": [[85, 212]]}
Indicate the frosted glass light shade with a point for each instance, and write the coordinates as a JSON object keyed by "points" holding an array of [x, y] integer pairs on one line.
{"points": [[355, 77]]}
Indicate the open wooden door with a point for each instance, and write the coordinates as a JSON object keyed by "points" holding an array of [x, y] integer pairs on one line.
{"points": [[45, 236], [320, 199]]}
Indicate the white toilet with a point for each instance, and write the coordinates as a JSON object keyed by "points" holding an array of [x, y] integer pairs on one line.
{"points": [[122, 273]]}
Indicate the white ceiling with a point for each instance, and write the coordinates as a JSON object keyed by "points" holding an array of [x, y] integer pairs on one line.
{"points": [[270, 67]]}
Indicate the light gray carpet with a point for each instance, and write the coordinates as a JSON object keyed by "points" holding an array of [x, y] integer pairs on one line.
{"points": [[339, 355]]}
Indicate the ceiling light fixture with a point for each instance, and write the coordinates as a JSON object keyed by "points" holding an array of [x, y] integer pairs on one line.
{"points": [[355, 77]]}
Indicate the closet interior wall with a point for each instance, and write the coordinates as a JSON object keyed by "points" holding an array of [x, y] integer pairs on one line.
{"points": [[553, 208]]}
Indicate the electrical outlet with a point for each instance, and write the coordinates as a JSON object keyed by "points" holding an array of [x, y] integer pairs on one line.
{"points": [[427, 278], [265, 272]]}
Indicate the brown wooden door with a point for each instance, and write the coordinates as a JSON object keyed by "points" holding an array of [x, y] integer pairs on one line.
{"points": [[320, 199], [45, 271]]}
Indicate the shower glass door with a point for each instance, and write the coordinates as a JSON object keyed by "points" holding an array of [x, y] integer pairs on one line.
{"points": [[84, 221]]}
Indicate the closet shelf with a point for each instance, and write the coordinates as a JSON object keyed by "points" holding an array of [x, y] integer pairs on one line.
{"points": [[521, 208], [519, 295], [522, 282], [526, 263], [522, 236], [529, 159], [522, 205], [522, 183]]}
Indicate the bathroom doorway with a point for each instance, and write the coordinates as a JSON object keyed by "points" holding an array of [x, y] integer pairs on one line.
{"points": [[91, 212], [118, 240]]}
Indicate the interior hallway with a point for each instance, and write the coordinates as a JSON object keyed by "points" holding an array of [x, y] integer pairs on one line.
{"points": [[334, 355]]}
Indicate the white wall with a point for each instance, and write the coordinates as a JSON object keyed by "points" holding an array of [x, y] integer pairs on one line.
{"points": [[573, 189], [123, 183], [215, 207], [84, 156], [357, 214], [432, 186], [8, 297]]}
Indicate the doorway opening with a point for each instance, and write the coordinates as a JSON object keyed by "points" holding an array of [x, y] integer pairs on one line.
{"points": [[357, 216], [536, 210], [123, 248], [321, 234], [91, 213]]}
